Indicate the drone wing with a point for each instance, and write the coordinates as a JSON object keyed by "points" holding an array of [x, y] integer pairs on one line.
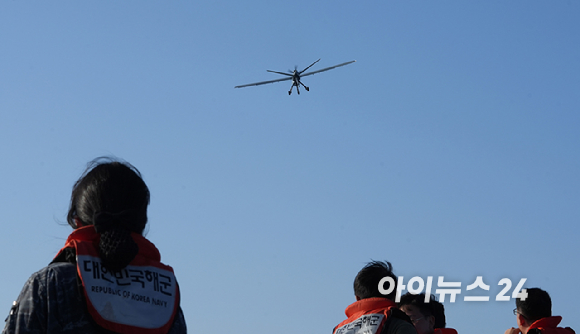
{"points": [[264, 82], [328, 68]]}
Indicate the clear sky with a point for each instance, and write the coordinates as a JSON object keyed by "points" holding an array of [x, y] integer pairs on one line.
{"points": [[450, 148]]}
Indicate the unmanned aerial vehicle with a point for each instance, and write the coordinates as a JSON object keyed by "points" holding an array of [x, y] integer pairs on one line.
{"points": [[295, 76]]}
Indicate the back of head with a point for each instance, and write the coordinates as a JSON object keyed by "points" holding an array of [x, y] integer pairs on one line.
{"points": [[432, 308], [111, 196], [537, 305], [438, 312], [366, 283]]}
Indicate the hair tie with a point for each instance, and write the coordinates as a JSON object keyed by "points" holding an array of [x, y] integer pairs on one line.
{"points": [[103, 222]]}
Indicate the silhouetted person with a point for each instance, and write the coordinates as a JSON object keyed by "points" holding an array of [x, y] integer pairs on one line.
{"points": [[108, 277], [373, 312], [428, 318], [534, 315]]}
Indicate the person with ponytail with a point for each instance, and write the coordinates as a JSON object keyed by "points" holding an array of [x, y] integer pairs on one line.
{"points": [[107, 278]]}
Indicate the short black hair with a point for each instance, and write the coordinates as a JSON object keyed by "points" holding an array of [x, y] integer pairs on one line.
{"points": [[366, 282], [536, 306], [432, 308]]}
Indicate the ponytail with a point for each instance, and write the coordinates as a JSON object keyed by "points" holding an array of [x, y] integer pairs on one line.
{"points": [[116, 247]]}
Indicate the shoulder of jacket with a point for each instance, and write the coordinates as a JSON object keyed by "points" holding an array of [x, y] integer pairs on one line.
{"points": [[53, 274]]}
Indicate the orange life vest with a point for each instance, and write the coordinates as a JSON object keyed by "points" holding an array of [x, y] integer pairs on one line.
{"points": [[141, 298], [366, 316], [549, 325], [444, 331]]}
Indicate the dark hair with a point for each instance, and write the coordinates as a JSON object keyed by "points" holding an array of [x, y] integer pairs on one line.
{"points": [[111, 196], [432, 308], [366, 282], [537, 304]]}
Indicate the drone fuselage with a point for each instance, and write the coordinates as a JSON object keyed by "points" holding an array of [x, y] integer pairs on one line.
{"points": [[296, 82]]}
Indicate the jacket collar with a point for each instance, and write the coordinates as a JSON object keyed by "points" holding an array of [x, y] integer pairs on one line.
{"points": [[368, 304], [88, 234], [548, 322]]}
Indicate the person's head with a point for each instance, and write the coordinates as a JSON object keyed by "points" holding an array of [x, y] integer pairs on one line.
{"points": [[113, 188], [366, 282], [113, 198], [535, 306], [425, 316]]}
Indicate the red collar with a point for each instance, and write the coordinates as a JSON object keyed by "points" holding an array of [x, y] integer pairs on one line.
{"points": [[368, 304], [88, 234], [548, 322]]}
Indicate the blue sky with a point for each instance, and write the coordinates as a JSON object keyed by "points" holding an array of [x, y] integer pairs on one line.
{"points": [[450, 148]]}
